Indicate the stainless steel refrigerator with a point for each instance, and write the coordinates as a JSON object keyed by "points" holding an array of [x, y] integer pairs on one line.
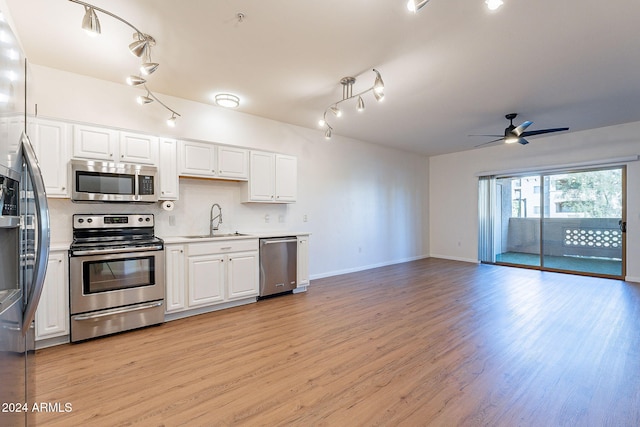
{"points": [[24, 234]]}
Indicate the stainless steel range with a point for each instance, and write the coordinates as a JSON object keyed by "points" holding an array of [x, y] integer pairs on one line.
{"points": [[116, 274]]}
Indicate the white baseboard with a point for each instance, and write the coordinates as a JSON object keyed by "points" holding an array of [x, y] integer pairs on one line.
{"points": [[365, 267], [454, 258], [632, 279]]}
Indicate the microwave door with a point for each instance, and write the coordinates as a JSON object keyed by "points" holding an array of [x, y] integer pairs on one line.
{"points": [[35, 232]]}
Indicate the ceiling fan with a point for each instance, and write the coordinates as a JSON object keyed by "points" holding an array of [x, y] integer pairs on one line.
{"points": [[517, 134]]}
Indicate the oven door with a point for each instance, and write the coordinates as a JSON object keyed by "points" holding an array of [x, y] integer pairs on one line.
{"points": [[107, 281]]}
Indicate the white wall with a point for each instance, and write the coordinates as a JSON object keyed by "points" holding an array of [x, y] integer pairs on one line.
{"points": [[453, 185], [366, 205]]}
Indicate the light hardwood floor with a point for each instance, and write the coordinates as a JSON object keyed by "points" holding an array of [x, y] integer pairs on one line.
{"points": [[431, 342]]}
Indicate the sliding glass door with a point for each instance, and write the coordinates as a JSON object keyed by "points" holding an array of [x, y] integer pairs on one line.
{"points": [[571, 221]]}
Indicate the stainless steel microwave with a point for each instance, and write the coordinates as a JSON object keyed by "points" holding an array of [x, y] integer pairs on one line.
{"points": [[96, 181]]}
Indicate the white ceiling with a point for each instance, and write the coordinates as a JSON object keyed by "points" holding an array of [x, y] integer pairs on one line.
{"points": [[451, 70]]}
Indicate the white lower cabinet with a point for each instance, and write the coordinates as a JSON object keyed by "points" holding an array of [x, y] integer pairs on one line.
{"points": [[175, 277], [209, 274], [52, 315], [206, 279], [303, 261]]}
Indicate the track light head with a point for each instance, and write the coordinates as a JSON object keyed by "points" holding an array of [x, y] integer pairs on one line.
{"points": [[415, 5], [147, 68], [378, 84], [135, 81], [144, 99], [327, 133], [171, 121], [335, 110], [321, 123], [90, 22], [360, 106]]}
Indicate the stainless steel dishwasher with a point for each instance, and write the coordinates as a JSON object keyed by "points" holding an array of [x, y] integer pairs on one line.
{"points": [[278, 265]]}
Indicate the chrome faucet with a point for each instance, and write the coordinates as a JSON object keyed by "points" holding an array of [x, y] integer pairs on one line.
{"points": [[213, 218]]}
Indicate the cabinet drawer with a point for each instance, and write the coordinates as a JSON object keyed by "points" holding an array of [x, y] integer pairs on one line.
{"points": [[225, 246]]}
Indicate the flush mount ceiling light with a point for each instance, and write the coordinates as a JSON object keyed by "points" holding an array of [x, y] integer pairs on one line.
{"points": [[227, 100], [140, 47], [347, 94], [416, 5]]}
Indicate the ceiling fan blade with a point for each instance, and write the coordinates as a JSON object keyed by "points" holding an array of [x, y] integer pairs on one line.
{"points": [[522, 141], [494, 136], [490, 142], [542, 131], [518, 131]]}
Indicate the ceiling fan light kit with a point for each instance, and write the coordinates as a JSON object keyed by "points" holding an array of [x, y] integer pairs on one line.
{"points": [[513, 133], [347, 94], [140, 47]]}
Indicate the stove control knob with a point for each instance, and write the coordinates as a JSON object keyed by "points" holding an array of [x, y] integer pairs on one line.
{"points": [[80, 220], [90, 220], [148, 219], [139, 219]]}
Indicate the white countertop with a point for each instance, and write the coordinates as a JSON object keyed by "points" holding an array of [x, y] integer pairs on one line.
{"points": [[242, 236]]}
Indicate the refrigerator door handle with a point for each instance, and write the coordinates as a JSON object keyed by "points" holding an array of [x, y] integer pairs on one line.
{"points": [[42, 225]]}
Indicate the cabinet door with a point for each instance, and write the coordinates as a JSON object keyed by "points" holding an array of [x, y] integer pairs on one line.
{"points": [[206, 279], [261, 179], [168, 170], [197, 159], [138, 148], [51, 144], [242, 275], [286, 178], [95, 143], [232, 163], [303, 260], [175, 278], [52, 315]]}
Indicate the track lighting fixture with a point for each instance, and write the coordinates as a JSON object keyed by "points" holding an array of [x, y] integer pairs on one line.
{"points": [[140, 47], [347, 94]]}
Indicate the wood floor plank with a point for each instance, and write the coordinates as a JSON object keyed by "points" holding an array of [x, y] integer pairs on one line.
{"points": [[430, 342]]}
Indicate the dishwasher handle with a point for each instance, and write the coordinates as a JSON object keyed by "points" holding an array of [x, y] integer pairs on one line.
{"points": [[272, 241]]}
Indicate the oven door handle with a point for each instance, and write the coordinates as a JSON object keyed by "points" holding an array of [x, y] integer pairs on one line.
{"points": [[115, 251], [118, 311]]}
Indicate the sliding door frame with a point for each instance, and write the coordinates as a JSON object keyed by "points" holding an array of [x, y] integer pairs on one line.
{"points": [[541, 218]]}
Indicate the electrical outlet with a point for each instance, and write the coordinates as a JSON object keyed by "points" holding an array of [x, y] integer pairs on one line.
{"points": [[304, 218], [267, 218], [280, 218], [172, 220]]}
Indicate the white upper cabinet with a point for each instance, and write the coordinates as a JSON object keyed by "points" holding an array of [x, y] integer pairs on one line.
{"points": [[91, 142], [197, 159], [232, 163], [272, 178], [204, 160], [96, 143], [168, 169], [138, 148], [286, 178], [262, 184], [50, 140]]}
